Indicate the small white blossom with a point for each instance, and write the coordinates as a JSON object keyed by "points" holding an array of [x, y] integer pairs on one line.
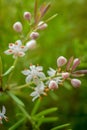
{"points": [[51, 72], [2, 115], [17, 49], [33, 73], [38, 91]]}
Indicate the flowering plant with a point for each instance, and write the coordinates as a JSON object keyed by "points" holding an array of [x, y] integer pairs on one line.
{"points": [[36, 81]]}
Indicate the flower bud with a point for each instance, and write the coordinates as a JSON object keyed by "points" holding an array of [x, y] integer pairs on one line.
{"points": [[75, 83], [65, 75], [76, 62], [31, 44], [53, 85], [27, 15], [42, 25], [34, 35], [61, 61], [17, 27]]}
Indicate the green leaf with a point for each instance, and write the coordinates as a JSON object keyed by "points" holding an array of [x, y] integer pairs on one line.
{"points": [[37, 104], [61, 126], [16, 99], [45, 112], [8, 71], [16, 125], [25, 113], [47, 119]]}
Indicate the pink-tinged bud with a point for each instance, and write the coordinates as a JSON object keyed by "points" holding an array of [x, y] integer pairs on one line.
{"points": [[75, 83], [76, 62], [34, 35], [61, 61], [17, 27], [65, 75], [27, 15], [53, 85], [42, 25], [31, 44]]}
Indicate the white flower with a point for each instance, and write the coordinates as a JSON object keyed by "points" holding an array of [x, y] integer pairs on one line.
{"points": [[33, 73], [38, 91], [51, 72], [2, 114], [16, 49]]}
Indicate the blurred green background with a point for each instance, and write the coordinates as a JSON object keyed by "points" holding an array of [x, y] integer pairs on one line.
{"points": [[66, 35]]}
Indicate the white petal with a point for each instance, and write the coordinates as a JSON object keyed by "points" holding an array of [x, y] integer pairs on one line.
{"points": [[34, 98], [41, 75], [39, 68], [23, 48], [18, 43], [8, 52], [51, 72], [26, 72], [31, 44], [28, 78], [11, 45], [3, 110], [32, 67], [21, 54], [33, 94]]}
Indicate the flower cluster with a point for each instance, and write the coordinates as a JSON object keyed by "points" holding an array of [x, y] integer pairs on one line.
{"points": [[18, 49], [36, 79], [55, 77]]}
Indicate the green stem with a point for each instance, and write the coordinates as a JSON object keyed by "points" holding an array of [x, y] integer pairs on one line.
{"points": [[35, 10], [61, 126], [25, 113], [28, 84], [50, 18], [22, 86], [15, 126], [1, 71], [35, 109], [10, 76]]}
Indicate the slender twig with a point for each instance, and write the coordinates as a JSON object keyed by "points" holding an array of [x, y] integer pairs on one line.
{"points": [[10, 76]]}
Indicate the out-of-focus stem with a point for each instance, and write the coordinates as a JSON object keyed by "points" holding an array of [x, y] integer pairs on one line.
{"points": [[10, 76], [35, 10]]}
